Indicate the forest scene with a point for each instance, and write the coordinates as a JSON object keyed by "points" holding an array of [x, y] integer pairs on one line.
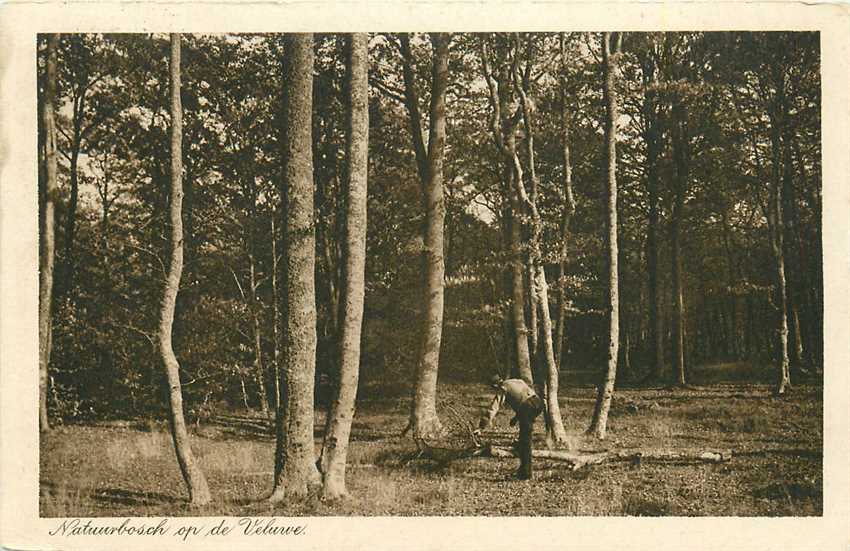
{"points": [[278, 273]]}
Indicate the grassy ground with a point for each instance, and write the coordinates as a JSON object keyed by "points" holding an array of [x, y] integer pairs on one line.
{"points": [[121, 470]]}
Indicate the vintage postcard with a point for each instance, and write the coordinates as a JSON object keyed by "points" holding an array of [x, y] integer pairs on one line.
{"points": [[424, 275]]}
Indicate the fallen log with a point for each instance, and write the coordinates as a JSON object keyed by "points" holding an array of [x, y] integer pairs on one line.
{"points": [[578, 460]]}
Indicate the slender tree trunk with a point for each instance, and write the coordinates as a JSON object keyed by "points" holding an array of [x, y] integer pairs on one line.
{"points": [[733, 274], [259, 369], [71, 218], [567, 213], [244, 393], [335, 447], [295, 466], [605, 391], [810, 254], [275, 316], [329, 254], [532, 307], [795, 274], [423, 414], [776, 232], [627, 359], [250, 299], [249, 187], [45, 297], [784, 376], [196, 482], [680, 144]]}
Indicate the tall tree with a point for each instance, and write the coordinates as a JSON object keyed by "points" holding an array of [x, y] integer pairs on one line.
{"points": [[569, 208], [652, 137], [295, 466], [503, 127], [555, 433], [252, 299], [45, 296], [83, 79], [429, 160], [681, 154], [611, 45], [196, 482], [778, 116], [335, 446]]}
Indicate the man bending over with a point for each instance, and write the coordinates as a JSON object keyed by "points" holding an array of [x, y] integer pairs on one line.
{"points": [[526, 405]]}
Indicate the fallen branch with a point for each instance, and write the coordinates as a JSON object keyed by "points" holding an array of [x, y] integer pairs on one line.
{"points": [[444, 455]]}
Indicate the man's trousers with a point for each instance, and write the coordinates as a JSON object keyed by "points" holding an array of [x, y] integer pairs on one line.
{"points": [[528, 412]]}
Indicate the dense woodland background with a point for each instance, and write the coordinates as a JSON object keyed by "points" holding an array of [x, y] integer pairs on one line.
{"points": [[713, 128]]}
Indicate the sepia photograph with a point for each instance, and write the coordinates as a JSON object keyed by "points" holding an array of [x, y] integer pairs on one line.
{"points": [[430, 274], [424, 275]]}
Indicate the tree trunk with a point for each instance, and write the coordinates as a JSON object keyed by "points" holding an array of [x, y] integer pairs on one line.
{"points": [[532, 307], [796, 273], [275, 316], [680, 144], [605, 392], [808, 249], [652, 137], [78, 108], [503, 130], [295, 467], [251, 197], [556, 435], [244, 393], [196, 483], [518, 297], [627, 359], [71, 218], [539, 288], [783, 383], [259, 370], [508, 336], [733, 274], [424, 421], [567, 213], [577, 461], [46, 261], [784, 377], [335, 446]]}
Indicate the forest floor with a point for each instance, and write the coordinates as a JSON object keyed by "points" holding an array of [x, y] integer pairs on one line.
{"points": [[122, 469]]}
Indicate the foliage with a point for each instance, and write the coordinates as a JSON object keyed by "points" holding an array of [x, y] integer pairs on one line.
{"points": [[113, 119]]}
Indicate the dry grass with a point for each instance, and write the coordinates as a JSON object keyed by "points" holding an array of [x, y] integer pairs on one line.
{"points": [[107, 471]]}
